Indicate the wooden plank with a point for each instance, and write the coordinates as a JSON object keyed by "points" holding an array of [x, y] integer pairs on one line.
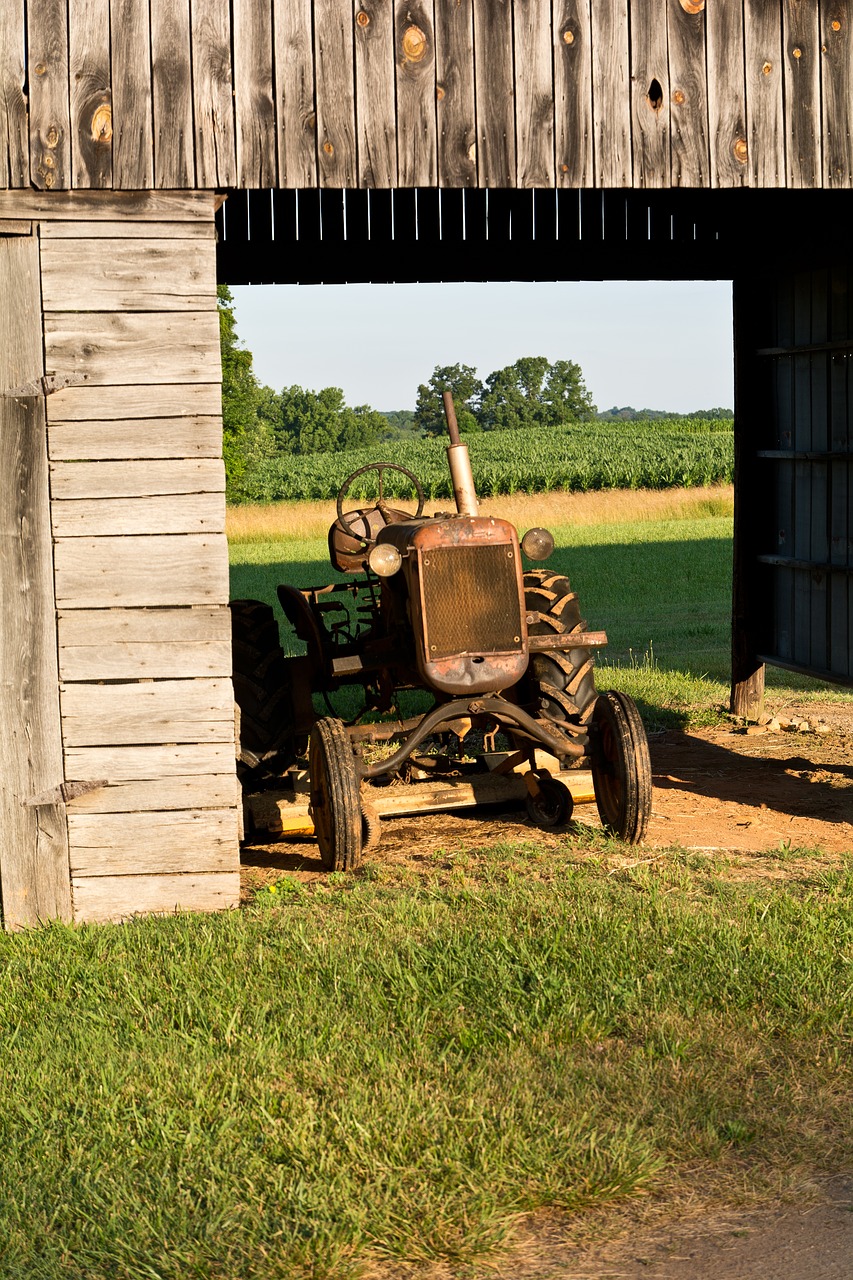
{"points": [[115, 844], [253, 94], [727, 95], [295, 106], [155, 711], [120, 349], [137, 438], [495, 93], [171, 62], [801, 33], [213, 98], [104, 517], [136, 479], [34, 875], [15, 227], [102, 572], [144, 799], [334, 71], [91, 93], [611, 94], [128, 275], [414, 44], [765, 119], [130, 206], [650, 93], [107, 627], [14, 125], [456, 120], [534, 94], [374, 91], [132, 644], [133, 130], [174, 231], [99, 899], [103, 405], [572, 41], [137, 764], [47, 66], [689, 155], [836, 22]]}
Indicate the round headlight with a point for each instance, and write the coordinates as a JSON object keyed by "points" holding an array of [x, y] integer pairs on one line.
{"points": [[384, 559], [537, 544]]}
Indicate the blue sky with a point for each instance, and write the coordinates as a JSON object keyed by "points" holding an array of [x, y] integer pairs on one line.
{"points": [[653, 345]]}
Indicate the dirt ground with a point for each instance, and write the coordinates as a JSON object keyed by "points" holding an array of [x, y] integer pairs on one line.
{"points": [[725, 789], [715, 790]]}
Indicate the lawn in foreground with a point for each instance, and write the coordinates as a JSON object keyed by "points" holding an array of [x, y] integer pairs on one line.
{"points": [[389, 1067]]}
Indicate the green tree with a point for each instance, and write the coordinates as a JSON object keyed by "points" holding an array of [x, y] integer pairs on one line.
{"points": [[246, 433], [467, 389], [322, 422], [532, 392]]}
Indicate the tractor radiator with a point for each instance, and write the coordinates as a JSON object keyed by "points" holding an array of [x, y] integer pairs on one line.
{"points": [[470, 600]]}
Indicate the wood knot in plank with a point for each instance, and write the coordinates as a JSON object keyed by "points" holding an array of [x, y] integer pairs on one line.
{"points": [[678, 97], [363, 18], [568, 37], [767, 68], [835, 24], [414, 44], [329, 148], [102, 123], [693, 6], [798, 53], [741, 151]]}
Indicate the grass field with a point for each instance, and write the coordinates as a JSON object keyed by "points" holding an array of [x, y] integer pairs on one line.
{"points": [[391, 1066], [384, 1067]]}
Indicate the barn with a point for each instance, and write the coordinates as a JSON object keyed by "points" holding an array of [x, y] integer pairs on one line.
{"points": [[150, 148]]}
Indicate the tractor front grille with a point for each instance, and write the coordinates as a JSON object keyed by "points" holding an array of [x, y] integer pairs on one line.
{"points": [[471, 601]]}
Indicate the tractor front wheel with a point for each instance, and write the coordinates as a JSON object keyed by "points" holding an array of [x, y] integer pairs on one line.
{"points": [[621, 768], [335, 801]]}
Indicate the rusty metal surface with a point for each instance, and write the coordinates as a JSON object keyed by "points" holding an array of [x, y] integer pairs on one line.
{"points": [[574, 640], [504, 713]]}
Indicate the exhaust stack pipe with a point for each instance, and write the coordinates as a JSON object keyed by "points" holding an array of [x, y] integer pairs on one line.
{"points": [[461, 474]]}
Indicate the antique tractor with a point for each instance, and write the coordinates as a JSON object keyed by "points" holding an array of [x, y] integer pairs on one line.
{"points": [[440, 603]]}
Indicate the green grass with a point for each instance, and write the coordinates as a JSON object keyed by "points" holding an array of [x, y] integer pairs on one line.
{"points": [[395, 1068]]}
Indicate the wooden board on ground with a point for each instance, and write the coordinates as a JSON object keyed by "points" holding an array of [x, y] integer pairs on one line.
{"points": [[286, 812]]}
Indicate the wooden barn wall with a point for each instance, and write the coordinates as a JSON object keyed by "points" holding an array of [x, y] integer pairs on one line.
{"points": [[137, 509], [450, 93]]}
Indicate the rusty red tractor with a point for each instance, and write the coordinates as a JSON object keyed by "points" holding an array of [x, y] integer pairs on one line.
{"points": [[440, 603]]}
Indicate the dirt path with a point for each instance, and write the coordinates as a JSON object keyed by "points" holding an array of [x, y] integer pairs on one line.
{"points": [[809, 1241]]}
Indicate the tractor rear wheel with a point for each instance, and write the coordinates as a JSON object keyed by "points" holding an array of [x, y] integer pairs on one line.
{"points": [[262, 691], [335, 800], [621, 767], [562, 681]]}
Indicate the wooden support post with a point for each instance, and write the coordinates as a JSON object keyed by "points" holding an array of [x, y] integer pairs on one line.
{"points": [[35, 880], [747, 691]]}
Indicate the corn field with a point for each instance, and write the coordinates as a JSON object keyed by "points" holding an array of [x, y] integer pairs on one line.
{"points": [[678, 453]]}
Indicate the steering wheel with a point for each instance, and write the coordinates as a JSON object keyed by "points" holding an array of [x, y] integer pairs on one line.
{"points": [[381, 505]]}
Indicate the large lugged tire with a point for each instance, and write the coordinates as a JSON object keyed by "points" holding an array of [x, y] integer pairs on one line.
{"points": [[335, 800], [621, 767], [262, 690], [562, 683]]}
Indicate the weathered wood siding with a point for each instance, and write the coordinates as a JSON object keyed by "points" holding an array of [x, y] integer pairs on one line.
{"points": [[134, 94], [139, 569], [34, 876]]}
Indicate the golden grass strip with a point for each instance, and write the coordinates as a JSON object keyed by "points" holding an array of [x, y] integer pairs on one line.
{"points": [[270, 521]]}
